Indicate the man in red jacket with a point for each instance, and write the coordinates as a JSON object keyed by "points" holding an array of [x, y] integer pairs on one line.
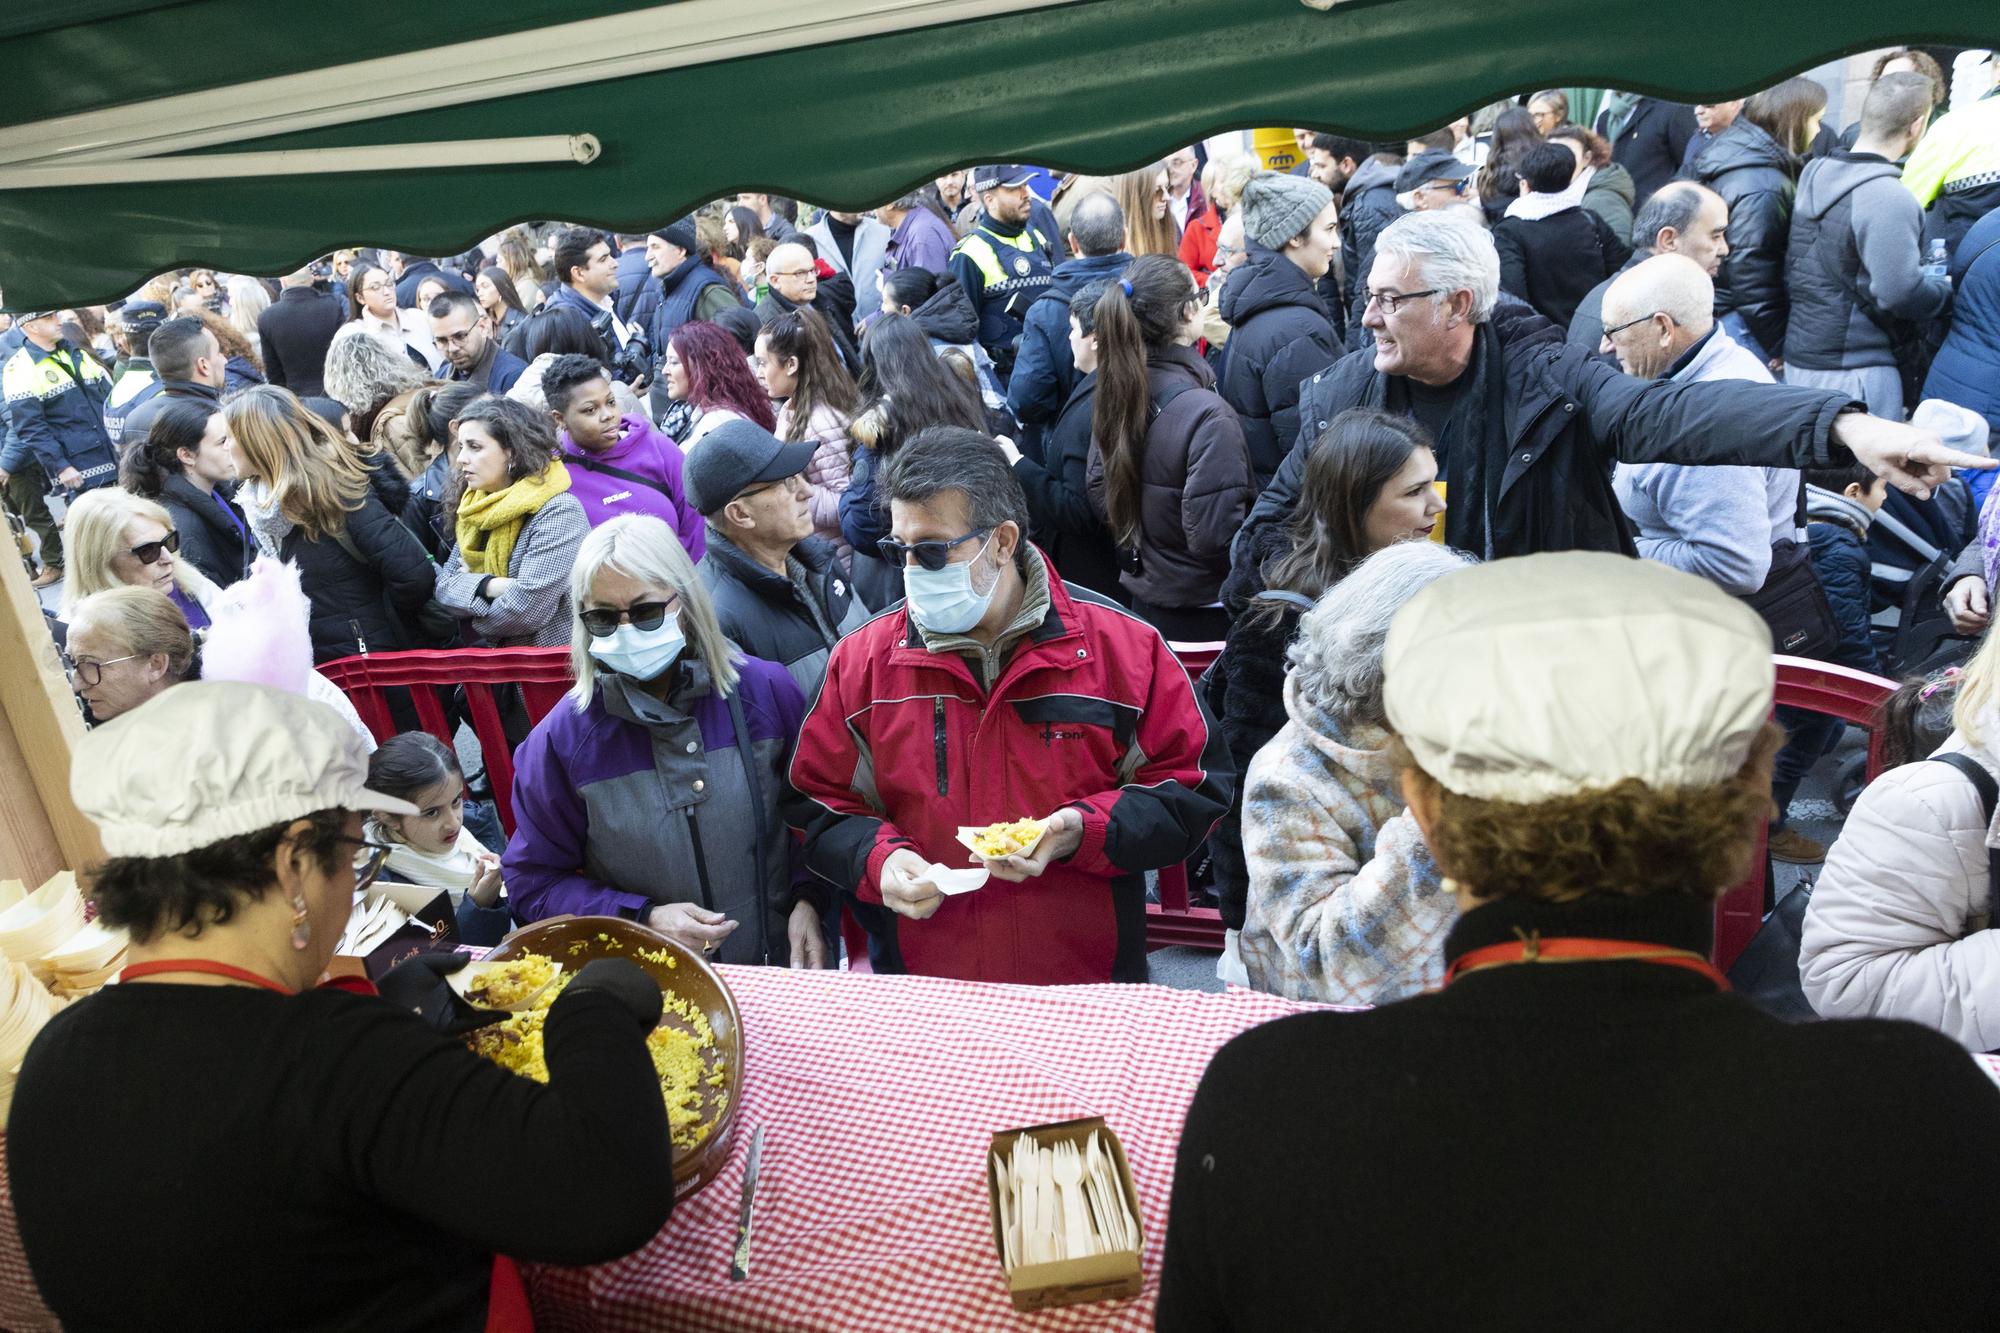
{"points": [[998, 693]]}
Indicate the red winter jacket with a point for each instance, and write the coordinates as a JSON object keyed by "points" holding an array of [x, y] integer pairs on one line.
{"points": [[1091, 710]]}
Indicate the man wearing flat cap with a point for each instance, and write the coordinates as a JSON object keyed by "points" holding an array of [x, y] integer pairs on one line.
{"points": [[1577, 1130]]}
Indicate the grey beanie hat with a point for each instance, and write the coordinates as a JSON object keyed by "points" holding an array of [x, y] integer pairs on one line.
{"points": [[1277, 207]]}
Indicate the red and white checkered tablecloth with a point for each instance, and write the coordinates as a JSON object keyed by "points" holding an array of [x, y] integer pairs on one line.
{"points": [[878, 1096]]}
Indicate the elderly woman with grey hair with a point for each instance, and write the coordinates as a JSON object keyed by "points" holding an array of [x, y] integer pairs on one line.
{"points": [[1345, 903]]}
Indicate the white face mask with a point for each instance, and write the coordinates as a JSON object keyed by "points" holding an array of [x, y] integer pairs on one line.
{"points": [[944, 600], [640, 654]]}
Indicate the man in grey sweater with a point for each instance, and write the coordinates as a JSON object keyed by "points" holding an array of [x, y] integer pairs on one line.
{"points": [[1854, 264]]}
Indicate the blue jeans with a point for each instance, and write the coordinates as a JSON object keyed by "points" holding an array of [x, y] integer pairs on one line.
{"points": [[1809, 737]]}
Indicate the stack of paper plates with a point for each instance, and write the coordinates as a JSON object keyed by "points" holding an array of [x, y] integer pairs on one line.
{"points": [[44, 919], [85, 961], [25, 1005]]}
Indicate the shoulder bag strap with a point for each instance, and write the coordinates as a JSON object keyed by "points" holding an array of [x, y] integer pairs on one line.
{"points": [[1989, 796], [593, 465]]}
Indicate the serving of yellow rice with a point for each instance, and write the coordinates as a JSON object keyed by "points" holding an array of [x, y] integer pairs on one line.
{"points": [[685, 1058], [996, 840]]}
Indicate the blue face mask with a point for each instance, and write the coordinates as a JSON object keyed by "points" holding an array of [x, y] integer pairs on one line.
{"points": [[640, 654], [943, 600]]}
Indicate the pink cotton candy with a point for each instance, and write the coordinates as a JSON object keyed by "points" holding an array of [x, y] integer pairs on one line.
{"points": [[259, 631]]}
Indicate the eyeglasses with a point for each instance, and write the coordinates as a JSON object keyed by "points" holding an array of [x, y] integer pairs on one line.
{"points": [[454, 339], [931, 555], [368, 865], [1620, 328], [1391, 302], [1449, 187], [601, 621], [91, 674], [147, 552], [812, 273], [786, 483]]}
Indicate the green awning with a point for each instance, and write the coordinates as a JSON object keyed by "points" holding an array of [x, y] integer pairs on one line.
{"points": [[837, 118]]}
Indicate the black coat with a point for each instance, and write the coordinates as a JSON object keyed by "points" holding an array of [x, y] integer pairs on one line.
{"points": [[1553, 262], [1280, 335], [1194, 485], [378, 597], [1065, 526], [1566, 418], [1246, 693], [1614, 1145], [1367, 206], [1652, 144], [423, 512], [764, 615], [139, 420], [1756, 178], [293, 334], [221, 550]]}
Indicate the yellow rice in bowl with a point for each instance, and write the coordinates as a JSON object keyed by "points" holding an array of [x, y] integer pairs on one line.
{"points": [[685, 1058]]}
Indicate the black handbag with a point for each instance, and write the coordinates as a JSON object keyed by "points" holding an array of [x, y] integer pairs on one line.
{"points": [[1794, 605]]}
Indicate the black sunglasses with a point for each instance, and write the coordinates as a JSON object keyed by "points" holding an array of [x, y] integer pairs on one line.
{"points": [[147, 552], [931, 555], [646, 615]]}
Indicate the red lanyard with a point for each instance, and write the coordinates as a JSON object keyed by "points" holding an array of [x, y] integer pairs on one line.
{"points": [[1571, 949], [204, 965]]}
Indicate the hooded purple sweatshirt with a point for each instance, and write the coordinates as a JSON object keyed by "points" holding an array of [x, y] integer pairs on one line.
{"points": [[643, 452]]}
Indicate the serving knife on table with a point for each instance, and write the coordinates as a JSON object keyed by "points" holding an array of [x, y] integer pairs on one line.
{"points": [[739, 1263]]}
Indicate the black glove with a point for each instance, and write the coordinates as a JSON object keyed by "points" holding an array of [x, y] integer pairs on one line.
{"points": [[628, 983], [418, 984]]}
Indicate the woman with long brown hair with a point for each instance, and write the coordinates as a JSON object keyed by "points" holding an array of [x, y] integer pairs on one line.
{"points": [[1169, 469], [1499, 181], [1142, 194], [1754, 165], [367, 575], [817, 400], [1367, 485]]}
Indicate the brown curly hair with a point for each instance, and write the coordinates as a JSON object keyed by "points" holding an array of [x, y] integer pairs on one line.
{"points": [[1627, 841]]}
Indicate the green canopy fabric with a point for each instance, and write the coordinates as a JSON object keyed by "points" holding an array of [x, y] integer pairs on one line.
{"points": [[1096, 85]]}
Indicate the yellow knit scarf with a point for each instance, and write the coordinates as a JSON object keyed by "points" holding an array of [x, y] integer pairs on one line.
{"points": [[489, 523]]}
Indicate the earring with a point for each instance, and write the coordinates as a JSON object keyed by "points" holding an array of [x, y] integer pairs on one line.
{"points": [[301, 932]]}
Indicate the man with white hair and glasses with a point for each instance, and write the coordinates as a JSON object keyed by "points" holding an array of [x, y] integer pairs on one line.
{"points": [[1526, 428]]}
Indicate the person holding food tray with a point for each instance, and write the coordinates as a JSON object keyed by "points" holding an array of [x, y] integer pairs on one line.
{"points": [[652, 792], [992, 766], [256, 1151]]}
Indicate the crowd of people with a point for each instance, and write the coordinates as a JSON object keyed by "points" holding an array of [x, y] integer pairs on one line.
{"points": [[1487, 461]]}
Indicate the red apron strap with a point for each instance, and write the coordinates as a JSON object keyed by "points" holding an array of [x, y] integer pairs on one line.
{"points": [[507, 1301]]}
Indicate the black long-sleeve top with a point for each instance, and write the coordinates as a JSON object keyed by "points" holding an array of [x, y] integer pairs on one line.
{"points": [[219, 1157]]}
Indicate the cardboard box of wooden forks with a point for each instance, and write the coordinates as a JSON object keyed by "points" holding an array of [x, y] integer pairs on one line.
{"points": [[1114, 1275]]}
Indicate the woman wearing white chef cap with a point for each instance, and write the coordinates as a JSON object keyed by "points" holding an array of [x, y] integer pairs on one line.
{"points": [[1583, 1128], [216, 1143]]}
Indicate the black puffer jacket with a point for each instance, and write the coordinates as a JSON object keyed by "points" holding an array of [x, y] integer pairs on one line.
{"points": [[764, 614], [1194, 484], [1058, 490], [220, 549], [948, 316], [378, 597], [1565, 418], [1553, 262], [1246, 693], [1280, 336], [1756, 178]]}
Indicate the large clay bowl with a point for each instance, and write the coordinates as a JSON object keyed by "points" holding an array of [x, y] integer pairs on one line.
{"points": [[692, 980]]}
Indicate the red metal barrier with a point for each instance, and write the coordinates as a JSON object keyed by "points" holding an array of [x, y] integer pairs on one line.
{"points": [[1854, 697], [1172, 920], [541, 673]]}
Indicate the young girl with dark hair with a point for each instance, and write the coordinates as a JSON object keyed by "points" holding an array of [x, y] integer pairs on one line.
{"points": [[437, 845], [1367, 485], [1169, 468], [817, 399]]}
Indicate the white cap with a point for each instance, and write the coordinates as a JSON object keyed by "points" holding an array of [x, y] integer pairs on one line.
{"points": [[208, 761], [1960, 428], [1543, 676]]}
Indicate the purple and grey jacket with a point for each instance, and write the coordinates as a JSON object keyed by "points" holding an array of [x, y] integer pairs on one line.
{"points": [[631, 802]]}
